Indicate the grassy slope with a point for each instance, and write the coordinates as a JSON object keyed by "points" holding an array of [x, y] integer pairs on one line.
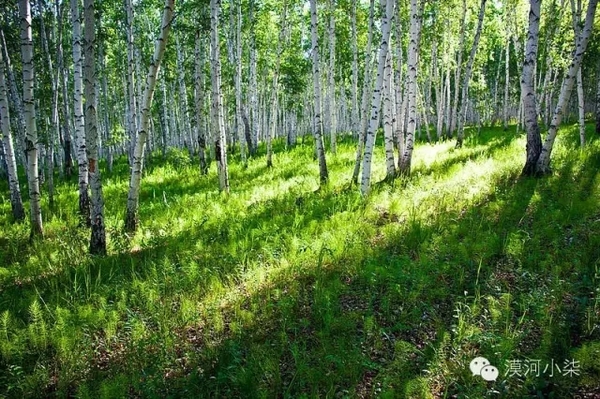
{"points": [[283, 290]]}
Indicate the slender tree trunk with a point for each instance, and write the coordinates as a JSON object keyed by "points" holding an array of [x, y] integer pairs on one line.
{"points": [[252, 85], [506, 85], [405, 160], [31, 140], [131, 220], [467, 77], [199, 101], [355, 117], [54, 122], [271, 131], [388, 118], [457, 75], [576, 12], [388, 6], [16, 201], [67, 143], [84, 199], [217, 99], [132, 116], [331, 77], [187, 129], [543, 162], [238, 84], [318, 123], [98, 235], [107, 111], [528, 97], [366, 92]]}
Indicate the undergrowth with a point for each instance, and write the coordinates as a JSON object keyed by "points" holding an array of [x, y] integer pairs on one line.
{"points": [[282, 289]]}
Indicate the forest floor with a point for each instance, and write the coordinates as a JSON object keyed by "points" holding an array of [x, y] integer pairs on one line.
{"points": [[282, 289]]}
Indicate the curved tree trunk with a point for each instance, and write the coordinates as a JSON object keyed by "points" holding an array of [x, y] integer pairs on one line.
{"points": [[31, 139], [543, 162], [16, 201], [131, 218]]}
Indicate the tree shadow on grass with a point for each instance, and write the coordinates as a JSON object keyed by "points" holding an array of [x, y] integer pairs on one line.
{"points": [[344, 323]]}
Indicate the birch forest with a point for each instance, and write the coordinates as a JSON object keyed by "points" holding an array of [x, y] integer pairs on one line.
{"points": [[322, 198]]}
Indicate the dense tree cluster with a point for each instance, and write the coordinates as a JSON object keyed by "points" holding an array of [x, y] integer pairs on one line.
{"points": [[89, 82]]}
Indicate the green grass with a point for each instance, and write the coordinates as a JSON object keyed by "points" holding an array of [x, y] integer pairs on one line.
{"points": [[282, 289]]}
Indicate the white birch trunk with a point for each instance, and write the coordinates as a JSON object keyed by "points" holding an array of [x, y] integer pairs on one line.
{"points": [[199, 102], [131, 219], [217, 99], [132, 119], [16, 201], [457, 75], [354, 93], [185, 114], [467, 77], [388, 119], [98, 235], [543, 163], [252, 84], [506, 86], [388, 11], [318, 124], [31, 139], [84, 199], [528, 96], [238, 84], [331, 82], [405, 159], [271, 131], [576, 12]]}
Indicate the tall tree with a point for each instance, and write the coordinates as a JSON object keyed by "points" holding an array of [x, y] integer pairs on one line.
{"points": [[331, 79], [317, 122], [131, 218], [405, 159], [467, 77], [217, 98], [576, 14], [82, 162], [199, 102], [275, 88], [528, 98], [386, 16], [365, 97], [543, 162], [98, 237], [16, 201], [31, 139]]}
